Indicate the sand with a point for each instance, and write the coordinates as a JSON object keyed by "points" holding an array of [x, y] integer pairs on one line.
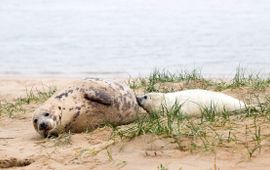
{"points": [[20, 144]]}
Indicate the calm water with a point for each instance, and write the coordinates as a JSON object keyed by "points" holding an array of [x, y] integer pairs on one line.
{"points": [[133, 36]]}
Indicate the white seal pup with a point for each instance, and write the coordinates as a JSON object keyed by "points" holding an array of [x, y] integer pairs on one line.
{"points": [[86, 104], [191, 102]]}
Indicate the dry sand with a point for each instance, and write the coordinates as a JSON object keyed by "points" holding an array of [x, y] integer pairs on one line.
{"points": [[95, 150]]}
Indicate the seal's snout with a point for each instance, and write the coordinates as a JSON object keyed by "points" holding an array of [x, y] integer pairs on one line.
{"points": [[43, 126], [139, 100]]}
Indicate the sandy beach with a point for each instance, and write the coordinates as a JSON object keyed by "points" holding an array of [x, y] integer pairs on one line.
{"points": [[96, 150], [152, 46]]}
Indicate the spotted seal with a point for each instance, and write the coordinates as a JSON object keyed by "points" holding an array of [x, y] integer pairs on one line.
{"points": [[86, 105]]}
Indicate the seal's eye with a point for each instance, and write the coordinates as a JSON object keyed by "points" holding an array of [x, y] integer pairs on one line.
{"points": [[46, 114], [145, 97], [35, 121]]}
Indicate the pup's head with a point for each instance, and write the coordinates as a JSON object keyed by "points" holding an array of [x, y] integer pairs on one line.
{"points": [[151, 102], [45, 122]]}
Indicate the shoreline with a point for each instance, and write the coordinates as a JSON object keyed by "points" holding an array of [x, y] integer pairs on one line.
{"points": [[61, 76], [125, 75]]}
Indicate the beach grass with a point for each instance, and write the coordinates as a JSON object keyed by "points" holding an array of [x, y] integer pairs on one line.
{"points": [[162, 167], [190, 79], [157, 77], [211, 130], [9, 108], [202, 134]]}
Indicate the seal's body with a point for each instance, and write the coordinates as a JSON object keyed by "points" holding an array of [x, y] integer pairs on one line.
{"points": [[86, 105], [191, 102]]}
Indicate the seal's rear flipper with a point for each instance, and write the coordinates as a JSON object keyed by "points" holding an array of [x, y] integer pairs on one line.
{"points": [[99, 97]]}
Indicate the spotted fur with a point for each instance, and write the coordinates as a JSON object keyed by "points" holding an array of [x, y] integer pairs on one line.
{"points": [[87, 104]]}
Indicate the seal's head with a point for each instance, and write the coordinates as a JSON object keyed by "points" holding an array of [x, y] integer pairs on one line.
{"points": [[151, 102], [45, 122]]}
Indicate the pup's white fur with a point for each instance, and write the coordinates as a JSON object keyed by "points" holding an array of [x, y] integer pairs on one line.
{"points": [[192, 101]]}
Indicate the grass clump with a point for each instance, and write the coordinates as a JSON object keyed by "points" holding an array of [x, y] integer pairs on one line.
{"points": [[62, 140], [9, 108], [194, 79], [37, 95], [160, 123], [159, 77], [210, 131], [162, 167], [168, 123], [256, 81], [166, 76], [210, 114], [255, 145]]}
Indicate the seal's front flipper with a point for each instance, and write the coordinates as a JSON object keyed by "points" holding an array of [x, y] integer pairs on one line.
{"points": [[99, 97]]}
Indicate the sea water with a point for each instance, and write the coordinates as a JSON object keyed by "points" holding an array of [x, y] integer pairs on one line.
{"points": [[133, 36]]}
